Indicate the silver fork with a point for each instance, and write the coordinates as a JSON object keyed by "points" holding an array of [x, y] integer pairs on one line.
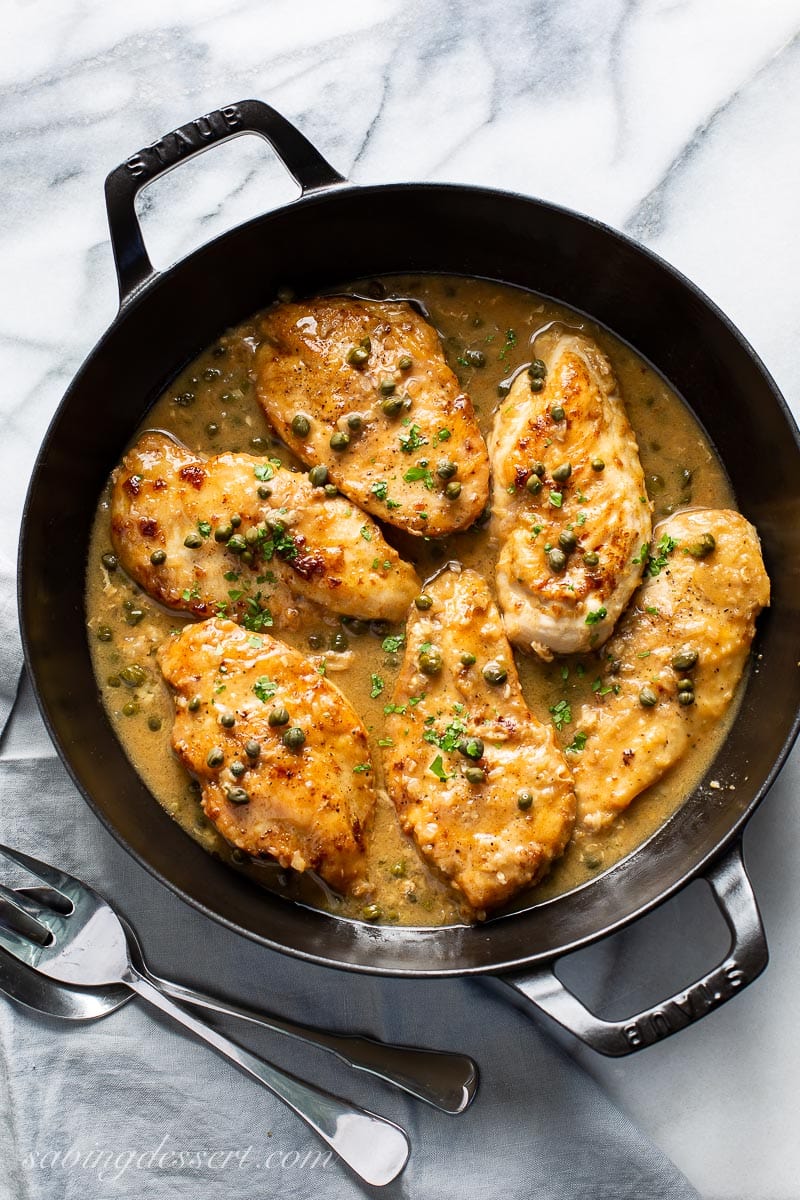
{"points": [[77, 938]]}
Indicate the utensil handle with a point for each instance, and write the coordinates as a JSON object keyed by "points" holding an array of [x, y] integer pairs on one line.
{"points": [[376, 1149], [301, 159], [746, 959], [446, 1081]]}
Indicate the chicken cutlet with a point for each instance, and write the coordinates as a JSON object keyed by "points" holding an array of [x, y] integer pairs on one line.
{"points": [[281, 756], [674, 663], [570, 507], [475, 777], [239, 535], [362, 388]]}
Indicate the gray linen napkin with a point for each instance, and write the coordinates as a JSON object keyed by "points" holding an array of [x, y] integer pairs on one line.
{"points": [[130, 1106]]}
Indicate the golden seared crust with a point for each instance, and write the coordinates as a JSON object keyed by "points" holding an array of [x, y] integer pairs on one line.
{"points": [[306, 544], [707, 605], [308, 808], [606, 510], [390, 465], [476, 834]]}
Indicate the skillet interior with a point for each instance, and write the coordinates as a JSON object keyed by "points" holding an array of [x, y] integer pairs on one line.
{"points": [[316, 243]]}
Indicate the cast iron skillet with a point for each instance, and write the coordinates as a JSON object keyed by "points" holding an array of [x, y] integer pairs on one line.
{"points": [[336, 231]]}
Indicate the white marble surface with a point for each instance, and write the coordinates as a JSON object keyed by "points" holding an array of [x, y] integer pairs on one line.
{"points": [[674, 120]]}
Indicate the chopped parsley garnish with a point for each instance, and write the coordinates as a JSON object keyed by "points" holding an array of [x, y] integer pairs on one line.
{"points": [[561, 714], [280, 542], [231, 576], [380, 489], [322, 669], [578, 742], [658, 560], [413, 700], [394, 708], [599, 614], [204, 528], [600, 688], [437, 769], [255, 642], [366, 533], [192, 593], [393, 504], [377, 686], [265, 688], [362, 769], [651, 610], [443, 435], [411, 441], [565, 673], [385, 742], [392, 643], [511, 341], [421, 472], [556, 499], [263, 472], [449, 739], [257, 616]]}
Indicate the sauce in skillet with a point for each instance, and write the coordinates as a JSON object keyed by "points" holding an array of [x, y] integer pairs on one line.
{"points": [[487, 330]]}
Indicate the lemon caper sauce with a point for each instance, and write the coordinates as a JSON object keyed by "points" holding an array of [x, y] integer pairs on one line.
{"points": [[488, 332]]}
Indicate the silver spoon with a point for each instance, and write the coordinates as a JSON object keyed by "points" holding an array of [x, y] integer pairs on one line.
{"points": [[445, 1080]]}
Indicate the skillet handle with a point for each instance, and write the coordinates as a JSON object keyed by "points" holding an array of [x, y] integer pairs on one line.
{"points": [[300, 158], [746, 959]]}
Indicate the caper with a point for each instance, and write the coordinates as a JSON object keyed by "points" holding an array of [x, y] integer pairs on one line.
{"points": [[264, 492], [109, 561], [237, 544], [354, 625], [404, 362], [471, 748], [133, 675], [252, 748], [237, 795], [537, 369], [538, 468], [236, 520], [537, 385], [372, 912], [193, 540], [567, 540], [446, 470], [227, 720], [237, 768], [561, 474], [686, 685], [475, 358], [154, 723], [223, 533], [685, 659], [194, 704], [316, 641], [339, 642], [524, 801], [399, 868], [355, 421], [424, 602], [133, 615], [534, 484], [647, 697], [453, 490], [357, 356], [685, 698], [285, 295], [557, 413], [113, 681], [294, 738], [278, 716], [130, 709], [216, 757], [212, 429], [598, 464], [301, 426], [258, 443], [386, 387], [339, 440], [392, 405], [467, 659], [104, 633], [185, 399], [252, 535], [318, 476], [703, 547], [556, 559], [475, 775], [430, 661], [495, 673], [331, 490]]}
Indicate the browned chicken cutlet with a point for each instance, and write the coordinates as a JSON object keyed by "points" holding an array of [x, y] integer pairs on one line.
{"points": [[239, 535], [363, 388], [570, 506], [281, 756], [475, 777], [675, 661]]}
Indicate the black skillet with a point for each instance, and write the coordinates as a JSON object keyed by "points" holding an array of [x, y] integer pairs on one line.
{"points": [[337, 231]]}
